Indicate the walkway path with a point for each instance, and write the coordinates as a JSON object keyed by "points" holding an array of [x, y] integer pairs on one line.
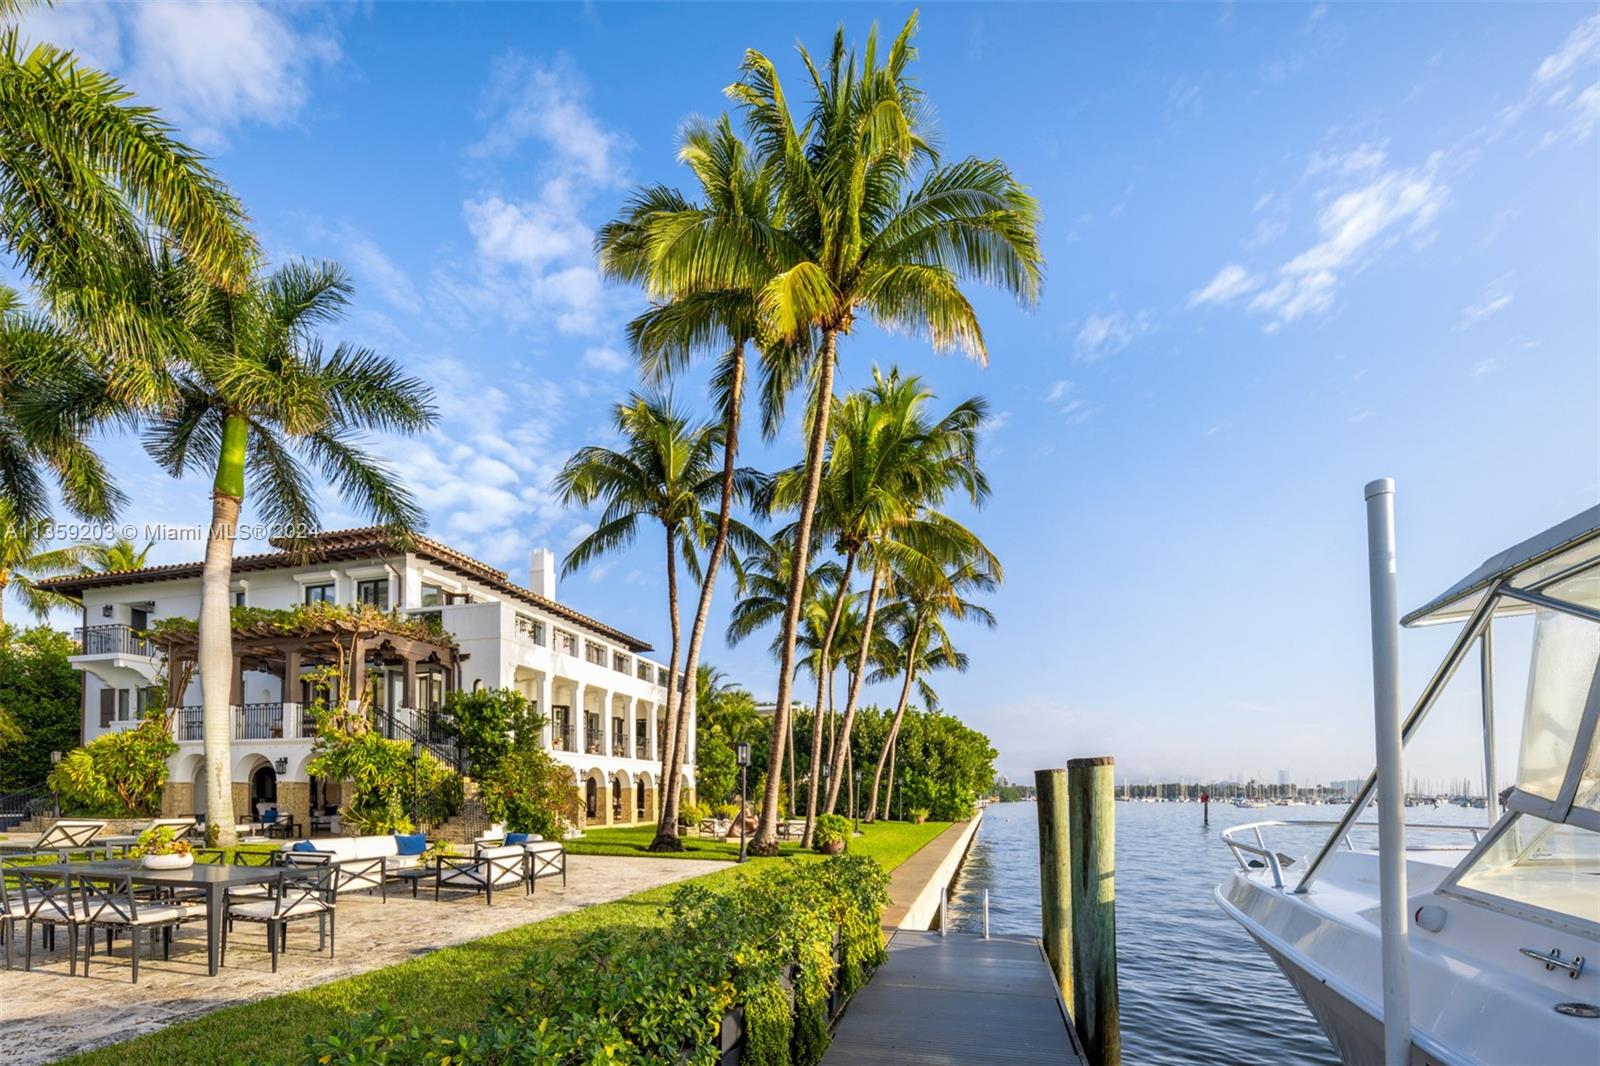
{"points": [[955, 1001], [47, 1014]]}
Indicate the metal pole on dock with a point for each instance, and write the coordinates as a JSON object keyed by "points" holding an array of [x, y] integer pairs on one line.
{"points": [[1391, 772], [986, 914], [1055, 875], [944, 912], [1092, 835]]}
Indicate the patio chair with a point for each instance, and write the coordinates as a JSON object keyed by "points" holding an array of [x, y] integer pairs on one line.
{"points": [[300, 893], [47, 899], [489, 869], [10, 911], [109, 903], [546, 858], [67, 835]]}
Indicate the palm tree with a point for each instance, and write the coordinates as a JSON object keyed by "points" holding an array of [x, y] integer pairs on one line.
{"points": [[51, 397], [115, 556], [667, 471], [737, 197], [889, 463], [259, 394], [24, 559], [82, 168], [872, 225], [763, 595], [923, 643]]}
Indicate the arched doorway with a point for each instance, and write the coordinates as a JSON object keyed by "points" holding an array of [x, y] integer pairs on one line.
{"points": [[638, 799], [263, 789], [591, 799], [616, 799]]}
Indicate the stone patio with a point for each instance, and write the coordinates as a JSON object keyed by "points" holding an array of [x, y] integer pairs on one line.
{"points": [[48, 1014]]}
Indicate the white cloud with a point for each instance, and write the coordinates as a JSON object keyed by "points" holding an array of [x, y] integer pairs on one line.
{"points": [[1362, 159], [371, 267], [1496, 298], [1231, 282], [1582, 43], [1484, 366], [210, 67], [1073, 408], [533, 261], [1105, 334], [1582, 116], [1353, 225], [605, 360]]}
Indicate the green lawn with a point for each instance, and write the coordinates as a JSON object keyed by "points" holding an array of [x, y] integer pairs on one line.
{"points": [[447, 988]]}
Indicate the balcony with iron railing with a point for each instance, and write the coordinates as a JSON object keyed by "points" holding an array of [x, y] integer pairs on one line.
{"points": [[641, 748], [113, 640], [258, 721], [189, 723]]}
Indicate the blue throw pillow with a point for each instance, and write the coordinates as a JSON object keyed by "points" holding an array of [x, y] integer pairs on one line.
{"points": [[411, 843], [516, 838], [271, 815], [303, 845]]}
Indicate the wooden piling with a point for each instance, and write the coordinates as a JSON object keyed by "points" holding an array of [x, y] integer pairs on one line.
{"points": [[1055, 875], [1091, 806]]}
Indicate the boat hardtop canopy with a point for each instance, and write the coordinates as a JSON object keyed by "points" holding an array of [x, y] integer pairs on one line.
{"points": [[1564, 548]]}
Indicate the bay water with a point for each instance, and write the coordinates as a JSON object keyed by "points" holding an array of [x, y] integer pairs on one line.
{"points": [[1194, 988]]}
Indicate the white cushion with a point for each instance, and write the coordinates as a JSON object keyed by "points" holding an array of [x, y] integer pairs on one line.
{"points": [[375, 847], [504, 851], [268, 908], [402, 862], [148, 914], [479, 875]]}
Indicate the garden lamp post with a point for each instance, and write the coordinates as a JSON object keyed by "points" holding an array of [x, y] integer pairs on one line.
{"points": [[744, 818], [416, 791]]}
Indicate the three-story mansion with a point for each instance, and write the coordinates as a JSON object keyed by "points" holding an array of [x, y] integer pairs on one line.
{"points": [[604, 703]]}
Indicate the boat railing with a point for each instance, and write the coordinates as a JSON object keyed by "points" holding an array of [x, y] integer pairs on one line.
{"points": [[1275, 861]]}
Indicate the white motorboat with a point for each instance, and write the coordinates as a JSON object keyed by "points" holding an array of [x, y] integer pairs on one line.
{"points": [[1500, 935]]}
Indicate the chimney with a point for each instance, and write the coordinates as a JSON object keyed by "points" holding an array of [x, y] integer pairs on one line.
{"points": [[542, 573]]}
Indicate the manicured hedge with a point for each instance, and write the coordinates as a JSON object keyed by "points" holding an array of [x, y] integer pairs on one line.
{"points": [[767, 955]]}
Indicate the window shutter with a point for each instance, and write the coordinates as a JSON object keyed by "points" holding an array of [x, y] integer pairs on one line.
{"points": [[108, 706]]}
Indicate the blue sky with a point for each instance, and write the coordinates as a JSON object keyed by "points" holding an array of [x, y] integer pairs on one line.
{"points": [[1290, 248]]}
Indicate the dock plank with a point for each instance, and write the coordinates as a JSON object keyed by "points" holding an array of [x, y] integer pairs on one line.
{"points": [[954, 1001]]}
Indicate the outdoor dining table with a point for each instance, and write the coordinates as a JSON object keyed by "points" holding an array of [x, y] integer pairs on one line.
{"points": [[211, 878]]}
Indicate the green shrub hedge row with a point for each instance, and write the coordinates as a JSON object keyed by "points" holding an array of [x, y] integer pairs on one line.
{"points": [[769, 954]]}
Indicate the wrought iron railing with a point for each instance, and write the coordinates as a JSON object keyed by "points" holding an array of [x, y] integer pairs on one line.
{"points": [[113, 640], [258, 721], [188, 723], [641, 748]]}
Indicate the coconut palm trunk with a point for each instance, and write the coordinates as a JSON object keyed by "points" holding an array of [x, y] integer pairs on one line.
{"points": [[719, 545], [888, 791], [672, 758], [824, 672], [766, 842], [216, 631], [887, 755], [856, 677]]}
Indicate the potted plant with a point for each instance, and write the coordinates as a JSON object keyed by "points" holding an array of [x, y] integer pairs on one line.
{"points": [[919, 815], [831, 834], [160, 848]]}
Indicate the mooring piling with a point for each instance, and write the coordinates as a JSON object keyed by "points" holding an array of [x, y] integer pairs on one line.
{"points": [[1091, 833], [1055, 875]]}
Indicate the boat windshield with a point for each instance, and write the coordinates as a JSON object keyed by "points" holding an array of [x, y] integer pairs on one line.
{"points": [[1541, 864], [1566, 651]]}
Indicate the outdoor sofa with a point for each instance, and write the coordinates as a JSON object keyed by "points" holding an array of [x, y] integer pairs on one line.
{"points": [[363, 863]]}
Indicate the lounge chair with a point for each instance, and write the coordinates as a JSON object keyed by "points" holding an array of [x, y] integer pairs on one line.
{"points": [[301, 892], [109, 903], [67, 835]]}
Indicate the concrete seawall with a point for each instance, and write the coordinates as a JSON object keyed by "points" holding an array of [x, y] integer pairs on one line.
{"points": [[915, 884]]}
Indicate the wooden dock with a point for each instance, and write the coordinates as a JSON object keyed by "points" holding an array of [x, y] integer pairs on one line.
{"points": [[957, 1000]]}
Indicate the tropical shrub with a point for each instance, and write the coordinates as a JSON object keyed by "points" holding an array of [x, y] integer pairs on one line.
{"points": [[489, 723], [383, 779], [39, 698], [693, 813], [626, 997], [117, 775], [726, 811], [529, 791], [830, 829], [919, 815]]}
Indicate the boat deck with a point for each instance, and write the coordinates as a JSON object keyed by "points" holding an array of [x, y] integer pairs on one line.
{"points": [[954, 1001]]}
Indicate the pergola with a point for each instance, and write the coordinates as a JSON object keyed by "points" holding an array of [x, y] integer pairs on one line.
{"points": [[353, 642]]}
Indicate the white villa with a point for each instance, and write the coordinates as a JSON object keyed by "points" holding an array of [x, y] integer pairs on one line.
{"points": [[604, 703]]}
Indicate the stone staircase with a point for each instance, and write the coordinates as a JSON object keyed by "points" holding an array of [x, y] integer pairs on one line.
{"points": [[467, 824]]}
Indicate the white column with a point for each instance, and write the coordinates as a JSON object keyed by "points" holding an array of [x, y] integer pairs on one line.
{"points": [[547, 707], [605, 722]]}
